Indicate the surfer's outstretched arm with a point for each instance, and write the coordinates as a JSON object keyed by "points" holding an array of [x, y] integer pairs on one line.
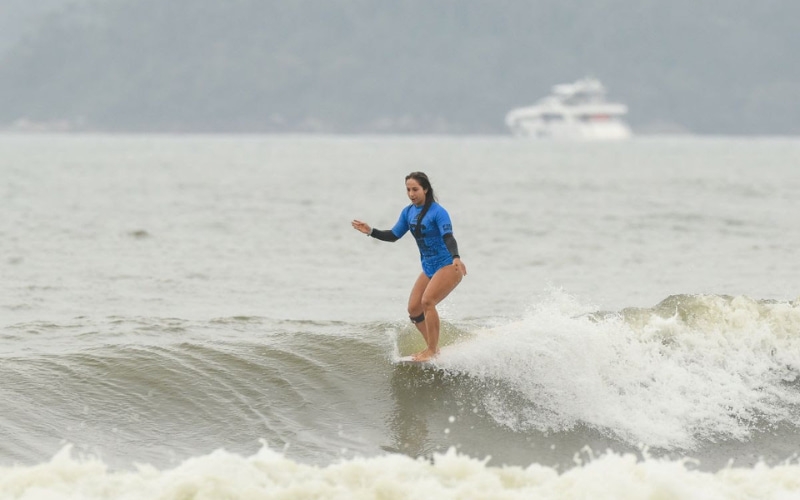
{"points": [[384, 235], [378, 234]]}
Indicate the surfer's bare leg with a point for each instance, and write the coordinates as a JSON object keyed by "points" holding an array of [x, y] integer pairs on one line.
{"points": [[415, 305], [440, 286]]}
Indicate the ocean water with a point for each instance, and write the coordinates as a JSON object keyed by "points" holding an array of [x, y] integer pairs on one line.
{"points": [[194, 317]]}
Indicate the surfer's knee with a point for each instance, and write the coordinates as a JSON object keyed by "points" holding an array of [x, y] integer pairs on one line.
{"points": [[428, 302], [417, 319]]}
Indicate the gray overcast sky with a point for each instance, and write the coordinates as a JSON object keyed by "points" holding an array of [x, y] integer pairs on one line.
{"points": [[708, 66]]}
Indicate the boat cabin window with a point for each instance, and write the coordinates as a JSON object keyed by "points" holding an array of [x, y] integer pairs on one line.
{"points": [[595, 118], [552, 117]]}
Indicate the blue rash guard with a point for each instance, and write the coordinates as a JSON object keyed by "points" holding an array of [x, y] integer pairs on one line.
{"points": [[433, 251]]}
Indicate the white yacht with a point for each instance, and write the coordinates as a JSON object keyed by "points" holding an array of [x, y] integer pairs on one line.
{"points": [[573, 111]]}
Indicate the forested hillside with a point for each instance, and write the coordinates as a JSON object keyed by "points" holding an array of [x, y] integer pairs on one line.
{"points": [[421, 66]]}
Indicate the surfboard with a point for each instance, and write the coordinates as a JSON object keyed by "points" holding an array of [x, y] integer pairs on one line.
{"points": [[409, 360]]}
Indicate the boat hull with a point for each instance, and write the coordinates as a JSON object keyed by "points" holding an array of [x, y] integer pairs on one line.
{"points": [[608, 131]]}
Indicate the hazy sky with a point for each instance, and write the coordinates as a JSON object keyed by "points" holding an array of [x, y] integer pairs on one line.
{"points": [[708, 66]]}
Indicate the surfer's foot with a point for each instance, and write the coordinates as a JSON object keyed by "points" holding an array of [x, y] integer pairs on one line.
{"points": [[425, 355], [417, 354]]}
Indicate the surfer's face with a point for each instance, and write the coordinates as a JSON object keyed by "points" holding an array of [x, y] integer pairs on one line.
{"points": [[415, 192]]}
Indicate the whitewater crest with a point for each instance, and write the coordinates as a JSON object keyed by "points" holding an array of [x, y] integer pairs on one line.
{"points": [[689, 371], [269, 474]]}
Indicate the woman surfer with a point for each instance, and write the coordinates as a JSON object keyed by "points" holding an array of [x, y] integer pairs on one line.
{"points": [[442, 268]]}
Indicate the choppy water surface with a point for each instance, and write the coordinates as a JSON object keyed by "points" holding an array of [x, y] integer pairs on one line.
{"points": [[201, 304]]}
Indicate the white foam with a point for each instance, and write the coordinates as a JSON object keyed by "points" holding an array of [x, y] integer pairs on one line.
{"points": [[716, 368], [268, 474]]}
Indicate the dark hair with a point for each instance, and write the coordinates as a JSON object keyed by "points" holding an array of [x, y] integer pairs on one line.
{"points": [[429, 198]]}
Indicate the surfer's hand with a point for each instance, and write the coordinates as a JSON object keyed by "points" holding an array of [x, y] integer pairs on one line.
{"points": [[361, 226], [460, 266]]}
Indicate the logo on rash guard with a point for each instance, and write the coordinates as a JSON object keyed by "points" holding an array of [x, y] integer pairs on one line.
{"points": [[421, 237]]}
